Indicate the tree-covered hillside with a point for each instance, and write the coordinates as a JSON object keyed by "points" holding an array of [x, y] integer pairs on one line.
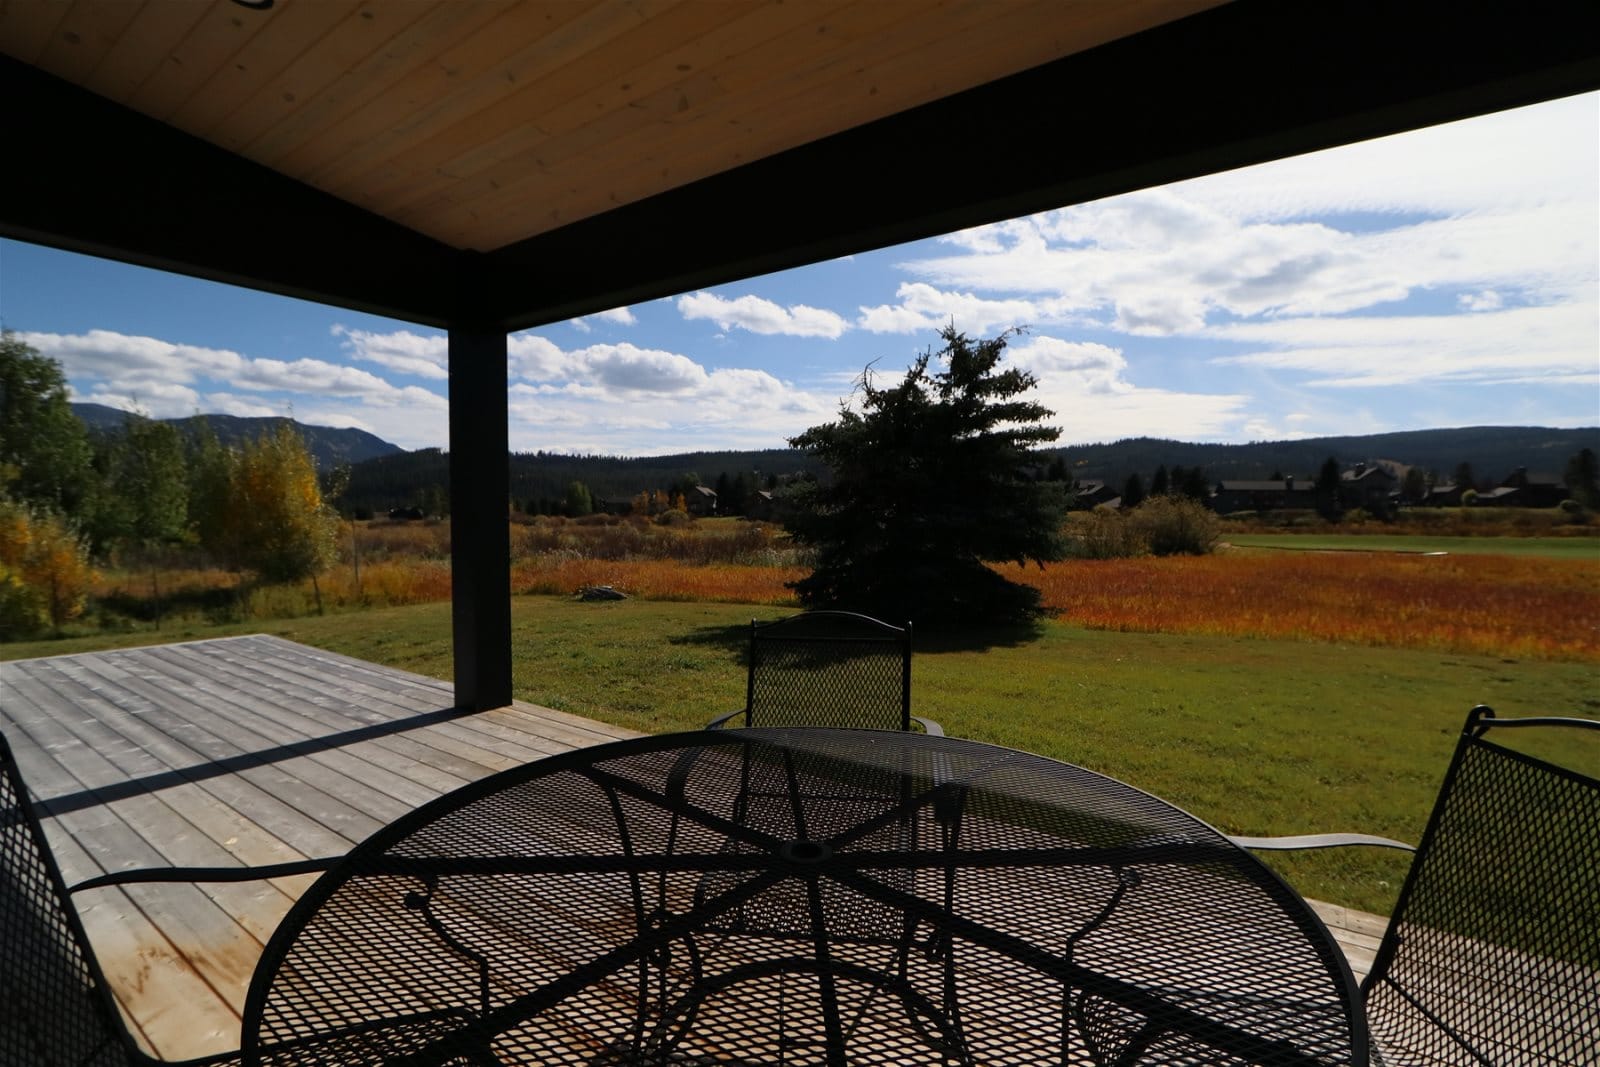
{"points": [[1492, 451], [331, 447], [384, 476], [421, 479]]}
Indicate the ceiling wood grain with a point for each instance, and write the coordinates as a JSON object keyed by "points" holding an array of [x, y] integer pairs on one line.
{"points": [[484, 123]]}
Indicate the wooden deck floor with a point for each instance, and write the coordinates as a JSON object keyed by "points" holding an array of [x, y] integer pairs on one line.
{"points": [[254, 750], [245, 750]]}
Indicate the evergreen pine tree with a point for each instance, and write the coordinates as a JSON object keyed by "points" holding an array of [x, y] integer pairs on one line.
{"points": [[930, 479]]}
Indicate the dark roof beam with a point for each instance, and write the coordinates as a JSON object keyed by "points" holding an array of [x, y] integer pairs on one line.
{"points": [[91, 176]]}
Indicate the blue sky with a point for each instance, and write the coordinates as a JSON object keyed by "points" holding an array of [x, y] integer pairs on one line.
{"points": [[1447, 277]]}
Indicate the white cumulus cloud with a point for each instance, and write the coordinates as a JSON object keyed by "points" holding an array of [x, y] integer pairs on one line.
{"points": [[157, 399], [422, 355], [626, 399], [759, 315], [640, 370], [1079, 367], [1553, 345], [923, 307], [1509, 161], [112, 356], [616, 317], [536, 358], [167, 379], [1463, 253], [244, 407], [1087, 386]]}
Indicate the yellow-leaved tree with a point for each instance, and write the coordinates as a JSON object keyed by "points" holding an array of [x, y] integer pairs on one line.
{"points": [[44, 570], [260, 507]]}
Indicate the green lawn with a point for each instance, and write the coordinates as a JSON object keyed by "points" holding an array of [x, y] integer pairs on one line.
{"points": [[1258, 737], [1553, 547]]}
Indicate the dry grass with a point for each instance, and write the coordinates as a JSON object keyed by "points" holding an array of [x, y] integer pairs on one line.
{"points": [[160, 580], [386, 539], [1493, 605], [391, 583], [1514, 606], [658, 579]]}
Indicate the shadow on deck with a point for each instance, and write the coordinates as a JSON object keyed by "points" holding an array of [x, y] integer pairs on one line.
{"points": [[241, 751]]}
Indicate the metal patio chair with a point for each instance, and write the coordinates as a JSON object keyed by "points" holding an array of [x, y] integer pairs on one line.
{"points": [[55, 1007], [829, 668], [1492, 955], [826, 669]]}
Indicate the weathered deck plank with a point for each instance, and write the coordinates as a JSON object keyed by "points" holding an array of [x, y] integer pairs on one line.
{"points": [[240, 751]]}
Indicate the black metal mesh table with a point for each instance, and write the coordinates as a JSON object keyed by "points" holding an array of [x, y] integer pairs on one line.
{"points": [[802, 896]]}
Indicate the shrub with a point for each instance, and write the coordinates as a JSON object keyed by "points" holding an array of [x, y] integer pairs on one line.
{"points": [[45, 573], [1104, 535], [1177, 526], [673, 517], [622, 541], [536, 538], [19, 607]]}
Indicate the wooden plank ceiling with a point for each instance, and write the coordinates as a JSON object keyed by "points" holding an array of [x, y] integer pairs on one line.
{"points": [[484, 123]]}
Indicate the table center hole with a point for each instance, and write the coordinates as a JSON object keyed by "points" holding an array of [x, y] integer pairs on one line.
{"points": [[805, 851]]}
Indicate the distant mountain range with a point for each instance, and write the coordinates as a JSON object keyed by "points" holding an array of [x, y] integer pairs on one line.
{"points": [[412, 478], [384, 475], [1493, 452], [330, 447]]}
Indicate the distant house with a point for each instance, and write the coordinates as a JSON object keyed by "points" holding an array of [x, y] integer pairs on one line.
{"points": [[1091, 494], [1369, 487], [1501, 496], [1445, 496], [1523, 490], [701, 500], [1274, 495]]}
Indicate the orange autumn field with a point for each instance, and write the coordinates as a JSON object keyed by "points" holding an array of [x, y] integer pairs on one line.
{"points": [[1523, 607], [1494, 605]]}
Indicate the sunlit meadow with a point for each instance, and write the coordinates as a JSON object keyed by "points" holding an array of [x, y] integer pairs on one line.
{"points": [[1525, 606]]}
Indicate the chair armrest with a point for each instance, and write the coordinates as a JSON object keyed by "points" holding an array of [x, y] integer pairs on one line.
{"points": [[933, 728], [207, 874], [1305, 841], [722, 720]]}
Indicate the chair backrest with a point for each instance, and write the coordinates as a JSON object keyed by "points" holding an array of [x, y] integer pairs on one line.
{"points": [[829, 668], [54, 1004], [1492, 955]]}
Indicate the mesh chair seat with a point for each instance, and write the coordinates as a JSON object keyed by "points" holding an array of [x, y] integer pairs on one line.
{"points": [[829, 668], [1492, 955]]}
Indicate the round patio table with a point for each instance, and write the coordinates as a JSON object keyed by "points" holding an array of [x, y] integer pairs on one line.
{"points": [[801, 896]]}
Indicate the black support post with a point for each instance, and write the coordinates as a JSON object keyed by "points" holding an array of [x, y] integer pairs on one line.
{"points": [[480, 552]]}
